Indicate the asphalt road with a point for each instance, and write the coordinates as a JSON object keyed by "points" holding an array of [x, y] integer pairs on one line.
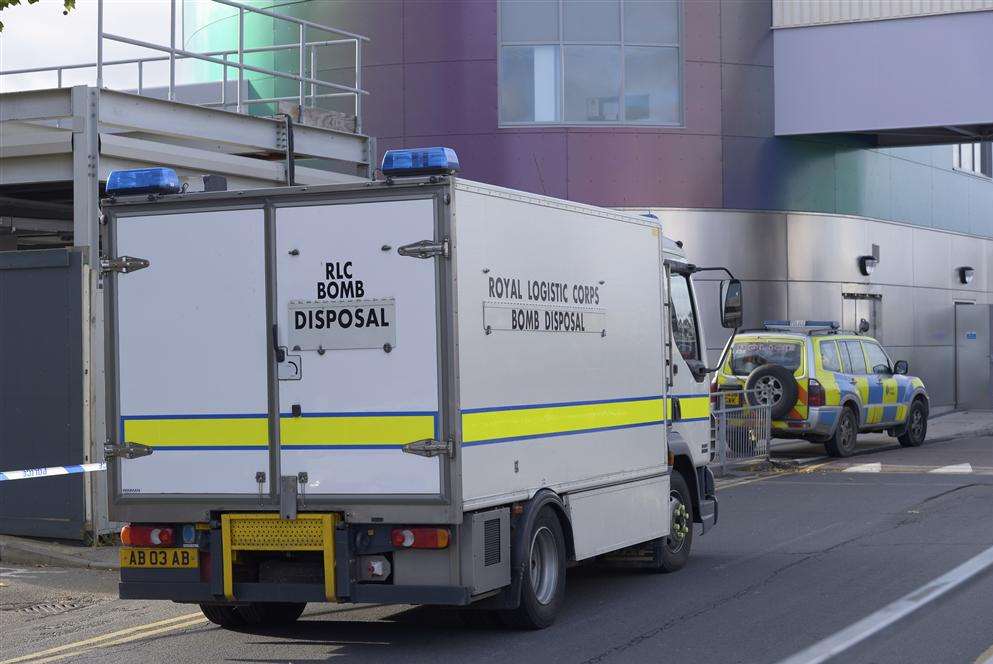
{"points": [[796, 558]]}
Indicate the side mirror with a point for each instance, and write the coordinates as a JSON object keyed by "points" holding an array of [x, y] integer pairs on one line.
{"points": [[731, 305], [901, 367]]}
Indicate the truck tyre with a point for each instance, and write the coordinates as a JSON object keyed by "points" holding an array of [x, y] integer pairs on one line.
{"points": [[672, 551], [222, 614], [270, 614], [775, 386], [543, 580], [842, 443], [915, 431]]}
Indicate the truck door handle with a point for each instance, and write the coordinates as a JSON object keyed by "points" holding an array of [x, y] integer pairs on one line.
{"points": [[676, 410], [280, 351]]}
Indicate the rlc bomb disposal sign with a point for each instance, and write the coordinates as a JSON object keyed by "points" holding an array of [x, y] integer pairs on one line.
{"points": [[336, 320]]}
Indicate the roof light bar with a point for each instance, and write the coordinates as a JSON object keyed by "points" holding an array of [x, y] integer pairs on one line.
{"points": [[800, 324], [143, 181], [420, 161]]}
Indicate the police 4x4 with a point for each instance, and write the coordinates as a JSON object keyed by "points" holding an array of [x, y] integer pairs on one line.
{"points": [[825, 385]]}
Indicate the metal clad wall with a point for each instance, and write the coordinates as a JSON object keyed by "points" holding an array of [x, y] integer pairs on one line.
{"points": [[797, 265], [794, 13], [41, 391]]}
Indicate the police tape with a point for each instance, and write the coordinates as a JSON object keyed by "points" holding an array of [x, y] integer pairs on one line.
{"points": [[53, 471]]}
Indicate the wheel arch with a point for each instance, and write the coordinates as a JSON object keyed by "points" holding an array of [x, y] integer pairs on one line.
{"points": [[682, 463]]}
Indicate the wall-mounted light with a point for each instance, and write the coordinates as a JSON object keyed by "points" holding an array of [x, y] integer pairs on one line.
{"points": [[966, 274], [867, 264]]}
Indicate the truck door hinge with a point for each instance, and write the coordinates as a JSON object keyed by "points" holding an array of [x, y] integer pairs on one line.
{"points": [[123, 264], [425, 249], [126, 450], [430, 447]]}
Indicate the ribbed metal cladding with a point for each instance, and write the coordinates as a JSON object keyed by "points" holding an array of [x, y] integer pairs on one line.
{"points": [[491, 542], [797, 13]]}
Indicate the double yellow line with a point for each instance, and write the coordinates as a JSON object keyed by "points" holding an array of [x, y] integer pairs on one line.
{"points": [[114, 638]]}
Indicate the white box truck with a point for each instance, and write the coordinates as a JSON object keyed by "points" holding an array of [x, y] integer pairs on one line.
{"points": [[415, 390]]}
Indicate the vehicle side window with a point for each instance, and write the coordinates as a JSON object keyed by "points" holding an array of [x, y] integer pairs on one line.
{"points": [[684, 332], [878, 362], [852, 357], [830, 359]]}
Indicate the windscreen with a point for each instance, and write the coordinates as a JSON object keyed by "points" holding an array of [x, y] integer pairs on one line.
{"points": [[746, 356]]}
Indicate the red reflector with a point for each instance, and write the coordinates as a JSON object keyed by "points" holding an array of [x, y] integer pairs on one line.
{"points": [[205, 567], [420, 538], [132, 535], [815, 394]]}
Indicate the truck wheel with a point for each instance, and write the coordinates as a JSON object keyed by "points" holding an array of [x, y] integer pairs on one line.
{"points": [[543, 582], [846, 432], [222, 614], [269, 614], [673, 551], [916, 430]]}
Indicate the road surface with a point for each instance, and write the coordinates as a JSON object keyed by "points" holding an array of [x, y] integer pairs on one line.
{"points": [[797, 558]]}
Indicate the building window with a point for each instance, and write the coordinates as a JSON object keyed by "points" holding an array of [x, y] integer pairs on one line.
{"points": [[590, 62], [973, 158]]}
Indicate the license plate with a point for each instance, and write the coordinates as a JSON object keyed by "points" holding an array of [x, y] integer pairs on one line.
{"points": [[165, 558], [731, 399]]}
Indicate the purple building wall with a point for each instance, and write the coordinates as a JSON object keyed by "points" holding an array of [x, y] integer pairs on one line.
{"points": [[432, 74], [431, 69]]}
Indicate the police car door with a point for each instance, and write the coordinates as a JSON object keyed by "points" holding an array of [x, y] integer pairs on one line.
{"points": [[358, 336]]}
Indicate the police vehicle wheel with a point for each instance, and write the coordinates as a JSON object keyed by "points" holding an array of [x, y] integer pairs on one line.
{"points": [[772, 384], [842, 443], [543, 582], [271, 613], [916, 431], [673, 551], [222, 614]]}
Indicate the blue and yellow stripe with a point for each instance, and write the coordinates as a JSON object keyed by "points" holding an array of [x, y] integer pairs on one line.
{"points": [[391, 430], [505, 424], [365, 430]]}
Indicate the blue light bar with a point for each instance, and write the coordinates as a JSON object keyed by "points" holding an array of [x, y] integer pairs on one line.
{"points": [[143, 181], [421, 161], [801, 324]]}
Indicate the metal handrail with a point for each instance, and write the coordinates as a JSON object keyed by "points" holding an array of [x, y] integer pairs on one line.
{"points": [[307, 85]]}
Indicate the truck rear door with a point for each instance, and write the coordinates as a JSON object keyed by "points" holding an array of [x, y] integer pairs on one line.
{"points": [[359, 326], [191, 353], [271, 340]]}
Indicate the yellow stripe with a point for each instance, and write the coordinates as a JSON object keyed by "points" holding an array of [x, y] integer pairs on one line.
{"points": [[862, 385], [199, 432], [355, 430], [103, 637], [694, 408], [526, 422], [890, 390], [294, 431]]}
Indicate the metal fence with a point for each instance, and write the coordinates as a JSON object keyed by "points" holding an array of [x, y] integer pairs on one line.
{"points": [[309, 87], [741, 427]]}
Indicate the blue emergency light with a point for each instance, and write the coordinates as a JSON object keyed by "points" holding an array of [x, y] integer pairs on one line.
{"points": [[801, 324], [420, 161], [143, 181]]}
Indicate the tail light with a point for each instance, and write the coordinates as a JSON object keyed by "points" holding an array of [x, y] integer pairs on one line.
{"points": [[815, 394], [420, 538], [714, 388], [148, 535]]}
